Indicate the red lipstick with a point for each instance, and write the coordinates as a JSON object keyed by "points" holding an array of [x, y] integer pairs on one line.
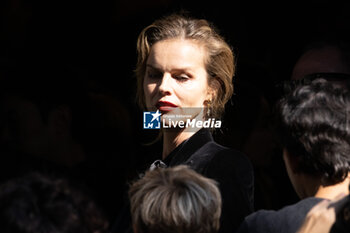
{"points": [[165, 106]]}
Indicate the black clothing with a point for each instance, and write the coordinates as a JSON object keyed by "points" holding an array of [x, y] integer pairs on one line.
{"points": [[230, 168], [286, 220]]}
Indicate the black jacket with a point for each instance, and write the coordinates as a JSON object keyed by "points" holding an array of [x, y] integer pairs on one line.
{"points": [[230, 168]]}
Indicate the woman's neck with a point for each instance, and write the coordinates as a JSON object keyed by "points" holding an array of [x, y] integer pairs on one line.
{"points": [[173, 138]]}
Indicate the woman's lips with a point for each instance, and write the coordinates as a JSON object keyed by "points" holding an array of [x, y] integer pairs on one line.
{"points": [[165, 106]]}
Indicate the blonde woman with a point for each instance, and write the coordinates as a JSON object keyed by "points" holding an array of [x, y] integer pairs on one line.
{"points": [[185, 68]]}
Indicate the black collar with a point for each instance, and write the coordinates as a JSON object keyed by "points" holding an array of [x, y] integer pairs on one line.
{"points": [[182, 152]]}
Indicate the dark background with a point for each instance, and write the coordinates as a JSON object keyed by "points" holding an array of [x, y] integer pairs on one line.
{"points": [[98, 37], [97, 40]]}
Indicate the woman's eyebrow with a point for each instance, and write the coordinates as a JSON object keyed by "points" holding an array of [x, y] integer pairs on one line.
{"points": [[184, 69], [153, 67]]}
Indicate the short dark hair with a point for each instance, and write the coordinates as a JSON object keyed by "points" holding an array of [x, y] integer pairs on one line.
{"points": [[37, 203], [313, 125], [175, 200]]}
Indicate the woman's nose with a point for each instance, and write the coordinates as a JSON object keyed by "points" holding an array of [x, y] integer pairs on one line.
{"points": [[165, 86]]}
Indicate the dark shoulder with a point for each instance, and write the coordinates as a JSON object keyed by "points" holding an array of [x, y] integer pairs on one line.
{"points": [[287, 219], [301, 207], [230, 154], [221, 163], [231, 158], [234, 173]]}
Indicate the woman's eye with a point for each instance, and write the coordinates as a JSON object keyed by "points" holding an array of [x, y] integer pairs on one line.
{"points": [[181, 78], [154, 75]]}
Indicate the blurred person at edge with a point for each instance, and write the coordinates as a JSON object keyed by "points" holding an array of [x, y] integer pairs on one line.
{"points": [[51, 122], [328, 55], [313, 128], [41, 203]]}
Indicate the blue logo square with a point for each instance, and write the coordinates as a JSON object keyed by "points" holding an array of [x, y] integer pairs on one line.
{"points": [[151, 120]]}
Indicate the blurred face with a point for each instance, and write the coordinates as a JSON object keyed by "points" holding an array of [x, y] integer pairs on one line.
{"points": [[322, 60], [176, 78]]}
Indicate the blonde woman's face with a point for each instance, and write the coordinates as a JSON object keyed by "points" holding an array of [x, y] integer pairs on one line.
{"points": [[176, 77]]}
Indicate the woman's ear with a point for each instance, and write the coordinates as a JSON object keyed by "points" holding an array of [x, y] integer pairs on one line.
{"points": [[213, 89]]}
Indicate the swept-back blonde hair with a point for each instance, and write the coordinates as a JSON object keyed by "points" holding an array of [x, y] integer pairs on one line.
{"points": [[175, 200], [219, 61]]}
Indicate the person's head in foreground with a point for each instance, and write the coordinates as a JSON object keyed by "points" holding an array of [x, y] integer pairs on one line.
{"points": [[315, 132], [36, 203], [175, 200]]}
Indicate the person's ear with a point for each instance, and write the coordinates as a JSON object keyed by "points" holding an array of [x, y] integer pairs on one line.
{"points": [[213, 89], [60, 120]]}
